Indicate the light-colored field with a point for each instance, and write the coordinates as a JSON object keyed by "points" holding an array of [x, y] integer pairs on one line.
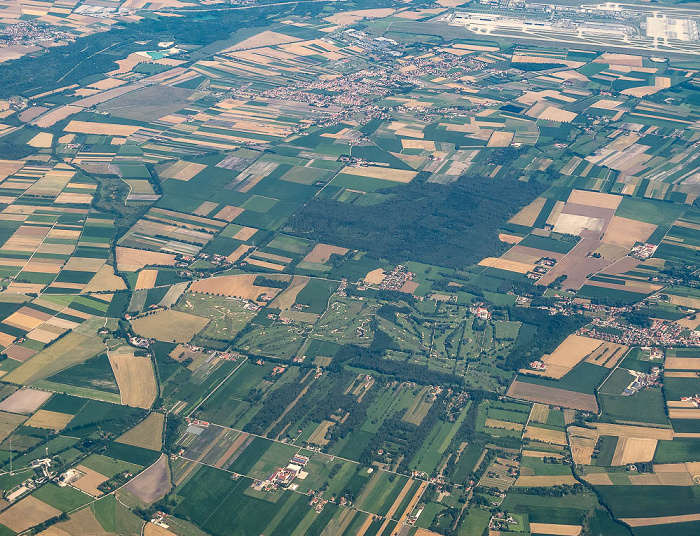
{"points": [[607, 355], [131, 260], [182, 170], [51, 420], [240, 286], [646, 432], [319, 435], [552, 396], [633, 449], [568, 354], [598, 479], [505, 425], [545, 481], [322, 252], [151, 529], [384, 173], [505, 264], [24, 401], [682, 363], [135, 378], [229, 213], [574, 224], [684, 413], [582, 442], [545, 435], [43, 139], [651, 521], [147, 434], [594, 199], [27, 513], [89, 481], [555, 529], [103, 280], [351, 17], [152, 484], [169, 326], [527, 215], [426, 145], [288, 296], [625, 232], [205, 208], [263, 39], [105, 129], [146, 279], [500, 138], [509, 239]]}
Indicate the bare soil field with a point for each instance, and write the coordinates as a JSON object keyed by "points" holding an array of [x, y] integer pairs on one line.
{"points": [[27, 513], [576, 266], [682, 363], [169, 326], [553, 396], [153, 483], [625, 232], [50, 420], [134, 375], [24, 401], [89, 481], [594, 199], [322, 253], [148, 434], [263, 39], [684, 413], [650, 521], [240, 286], [131, 260]]}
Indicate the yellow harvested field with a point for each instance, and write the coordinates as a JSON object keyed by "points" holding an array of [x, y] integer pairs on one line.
{"points": [[239, 252], [240, 285], [666, 520], [288, 296], [43, 139], [625, 232], [351, 17], [568, 354], [504, 425], [582, 442], [509, 239], [146, 279], [632, 450], [132, 260], [104, 280], [545, 435], [552, 113], [22, 321], [598, 479], [229, 213], [182, 170], [545, 481], [263, 39], [27, 513], [135, 378], [375, 277], [500, 138], [425, 145], [265, 264], [245, 234], [322, 253], [106, 129], [89, 481], [555, 529], [684, 413], [319, 435], [607, 355], [505, 264], [169, 326], [527, 215], [151, 529], [384, 173], [647, 432], [148, 434], [50, 420], [682, 363], [594, 199]]}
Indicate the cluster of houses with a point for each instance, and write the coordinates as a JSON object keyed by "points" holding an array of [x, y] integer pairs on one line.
{"points": [[284, 476], [642, 381], [397, 278]]}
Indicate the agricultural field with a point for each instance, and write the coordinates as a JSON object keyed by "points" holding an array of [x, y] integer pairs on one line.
{"points": [[349, 268]]}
